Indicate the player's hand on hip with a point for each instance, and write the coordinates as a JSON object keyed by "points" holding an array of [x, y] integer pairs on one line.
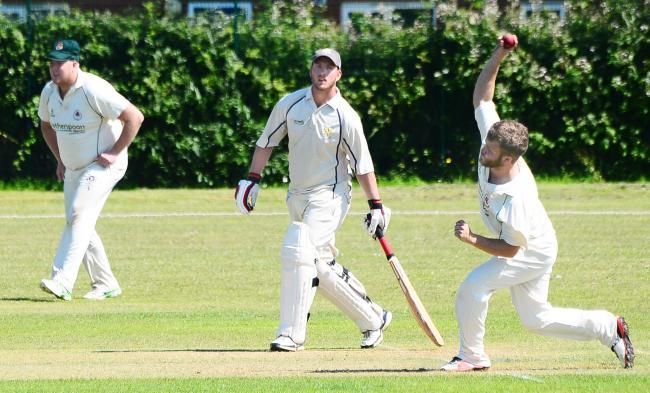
{"points": [[462, 231], [378, 217], [246, 193], [106, 159]]}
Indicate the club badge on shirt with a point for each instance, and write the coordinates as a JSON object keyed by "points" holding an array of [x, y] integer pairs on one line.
{"points": [[76, 115], [327, 131]]}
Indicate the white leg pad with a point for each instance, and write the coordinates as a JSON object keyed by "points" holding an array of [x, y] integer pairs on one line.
{"points": [[347, 293], [298, 282]]}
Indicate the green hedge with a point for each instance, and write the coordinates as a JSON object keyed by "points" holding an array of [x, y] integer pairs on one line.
{"points": [[581, 85]]}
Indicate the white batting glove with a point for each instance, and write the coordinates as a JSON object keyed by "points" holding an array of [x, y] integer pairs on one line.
{"points": [[246, 193], [377, 218]]}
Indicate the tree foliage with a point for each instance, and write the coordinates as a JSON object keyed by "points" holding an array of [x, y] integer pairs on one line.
{"points": [[581, 85]]}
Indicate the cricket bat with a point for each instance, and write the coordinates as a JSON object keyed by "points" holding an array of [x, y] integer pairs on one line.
{"points": [[415, 304]]}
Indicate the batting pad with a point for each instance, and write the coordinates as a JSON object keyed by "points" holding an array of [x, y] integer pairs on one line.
{"points": [[347, 293], [298, 282]]}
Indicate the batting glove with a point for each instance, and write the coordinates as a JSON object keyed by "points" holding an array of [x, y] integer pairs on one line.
{"points": [[379, 217], [247, 191]]}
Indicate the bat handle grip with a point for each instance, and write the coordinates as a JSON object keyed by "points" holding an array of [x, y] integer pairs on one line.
{"points": [[384, 243], [379, 235]]}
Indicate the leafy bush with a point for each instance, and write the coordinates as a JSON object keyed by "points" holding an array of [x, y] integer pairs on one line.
{"points": [[582, 86]]}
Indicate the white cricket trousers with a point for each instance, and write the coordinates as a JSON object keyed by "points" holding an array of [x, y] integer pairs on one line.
{"points": [[528, 282], [324, 212], [85, 192]]}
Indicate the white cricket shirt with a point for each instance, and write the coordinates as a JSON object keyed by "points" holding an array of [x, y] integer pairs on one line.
{"points": [[513, 211], [85, 120], [325, 144]]}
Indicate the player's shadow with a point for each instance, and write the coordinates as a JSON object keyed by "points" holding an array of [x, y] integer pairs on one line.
{"points": [[26, 299], [179, 350], [374, 370]]}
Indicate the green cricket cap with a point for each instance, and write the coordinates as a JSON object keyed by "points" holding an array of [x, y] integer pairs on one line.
{"points": [[65, 50]]}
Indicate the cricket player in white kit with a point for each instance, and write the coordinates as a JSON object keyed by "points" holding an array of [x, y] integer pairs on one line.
{"points": [[326, 142], [88, 126], [524, 246]]}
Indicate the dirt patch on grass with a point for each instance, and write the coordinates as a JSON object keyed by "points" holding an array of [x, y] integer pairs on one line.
{"points": [[212, 363], [185, 363]]}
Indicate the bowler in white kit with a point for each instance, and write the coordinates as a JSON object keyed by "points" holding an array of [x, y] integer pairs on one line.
{"points": [[88, 127], [523, 245], [326, 145]]}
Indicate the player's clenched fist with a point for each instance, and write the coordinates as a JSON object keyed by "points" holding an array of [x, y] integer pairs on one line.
{"points": [[462, 231], [247, 191]]}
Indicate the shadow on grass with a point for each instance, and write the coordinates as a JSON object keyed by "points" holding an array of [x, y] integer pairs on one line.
{"points": [[179, 350], [26, 299], [375, 370]]}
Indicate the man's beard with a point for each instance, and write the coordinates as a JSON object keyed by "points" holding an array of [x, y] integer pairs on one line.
{"points": [[491, 163]]}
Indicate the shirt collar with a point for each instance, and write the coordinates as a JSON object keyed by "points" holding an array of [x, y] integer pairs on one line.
{"points": [[334, 102]]}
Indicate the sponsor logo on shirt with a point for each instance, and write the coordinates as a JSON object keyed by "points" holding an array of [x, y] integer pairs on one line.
{"points": [[69, 128], [52, 112], [298, 122]]}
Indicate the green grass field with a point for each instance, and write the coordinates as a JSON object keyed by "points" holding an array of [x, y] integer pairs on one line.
{"points": [[201, 294]]}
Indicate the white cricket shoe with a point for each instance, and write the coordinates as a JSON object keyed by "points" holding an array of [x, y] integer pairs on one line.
{"points": [[285, 344], [459, 365], [622, 345], [372, 338], [56, 288], [100, 293]]}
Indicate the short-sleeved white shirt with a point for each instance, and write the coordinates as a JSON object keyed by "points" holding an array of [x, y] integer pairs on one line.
{"points": [[326, 143], [85, 120], [513, 211]]}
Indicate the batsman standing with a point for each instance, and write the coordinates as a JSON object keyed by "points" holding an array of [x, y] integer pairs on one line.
{"points": [[523, 246], [326, 143], [88, 126]]}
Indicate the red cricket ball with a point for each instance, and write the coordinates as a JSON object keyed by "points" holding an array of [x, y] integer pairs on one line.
{"points": [[509, 41]]}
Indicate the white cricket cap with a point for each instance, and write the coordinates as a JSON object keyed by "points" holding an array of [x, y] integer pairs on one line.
{"points": [[330, 54]]}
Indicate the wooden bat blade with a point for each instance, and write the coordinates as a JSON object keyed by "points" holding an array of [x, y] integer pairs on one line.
{"points": [[415, 304]]}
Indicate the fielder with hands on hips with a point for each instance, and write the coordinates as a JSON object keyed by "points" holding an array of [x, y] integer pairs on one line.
{"points": [[326, 143], [88, 126], [523, 245]]}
